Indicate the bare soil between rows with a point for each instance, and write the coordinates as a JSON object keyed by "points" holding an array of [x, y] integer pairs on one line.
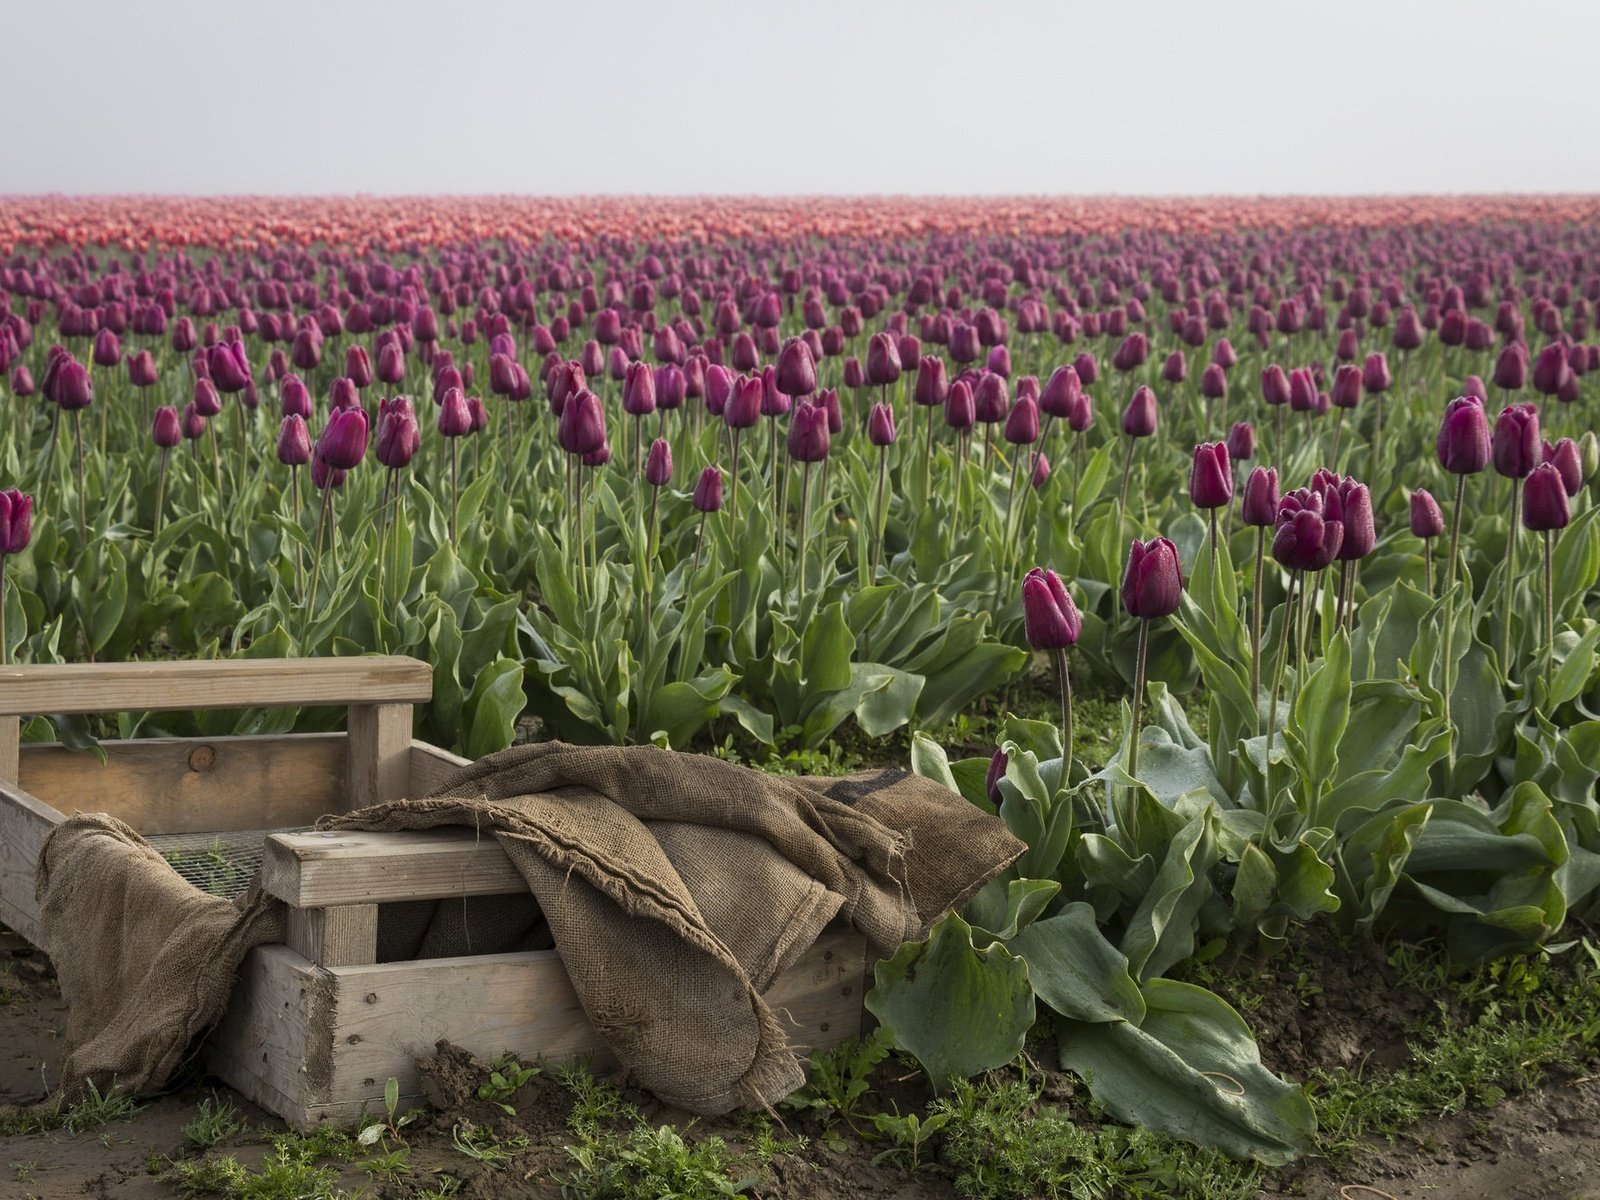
{"points": [[1542, 1144]]}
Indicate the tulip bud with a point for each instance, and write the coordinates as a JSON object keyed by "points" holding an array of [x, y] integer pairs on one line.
{"points": [[229, 366], [639, 390], [1260, 504], [1375, 375], [658, 465], [142, 369], [1061, 392], [708, 491], [1544, 500], [998, 763], [1223, 354], [74, 389], [22, 381], [1242, 441], [855, 377], [391, 364], [744, 406], [1175, 369], [294, 442], [1132, 353], [16, 522], [1302, 390], [960, 410], [883, 359], [343, 443], [1564, 457], [357, 366], [1426, 519], [582, 427], [399, 437], [1516, 446], [1550, 370], [880, 425], [1355, 511], [1304, 539], [1022, 423], [455, 420], [1050, 619], [1463, 443], [192, 423], [1210, 478], [990, 399], [796, 373], [1153, 583], [808, 433], [1213, 382], [324, 477], [1274, 385], [165, 430], [1511, 368], [932, 387], [1139, 418], [206, 400], [828, 399]]}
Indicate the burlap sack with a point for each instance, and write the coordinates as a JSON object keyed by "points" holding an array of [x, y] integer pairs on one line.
{"points": [[676, 888]]}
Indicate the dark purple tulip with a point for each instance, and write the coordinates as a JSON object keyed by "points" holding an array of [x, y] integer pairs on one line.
{"points": [[294, 398], [1407, 333], [1515, 445], [828, 400], [1302, 390], [1375, 375], [743, 408], [1463, 443], [165, 430], [998, 762], [708, 491], [1041, 470], [582, 427], [1565, 457], [343, 443], [502, 374], [932, 386], [990, 399], [1213, 382], [1349, 347], [1050, 620], [880, 425], [855, 377], [391, 364], [1242, 441], [1176, 368], [107, 349], [1274, 385], [1426, 519], [1544, 500], [1210, 478], [796, 371], [16, 522], [964, 344], [1472, 385], [1347, 386], [206, 400], [455, 419], [142, 369], [343, 394], [1223, 354], [1022, 422], [773, 402], [743, 354], [1511, 368], [357, 366], [658, 465], [1132, 352], [399, 437], [1139, 418], [1061, 393], [1550, 369], [22, 381], [1259, 507], [1305, 540], [294, 442], [230, 368], [960, 410], [639, 390], [1087, 368], [193, 424], [808, 433], [883, 359], [1355, 513], [324, 477], [1153, 583], [74, 389]]}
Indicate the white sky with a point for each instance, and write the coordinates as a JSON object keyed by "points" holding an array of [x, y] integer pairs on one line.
{"points": [[822, 96]]}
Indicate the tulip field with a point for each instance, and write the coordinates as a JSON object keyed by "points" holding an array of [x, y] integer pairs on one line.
{"points": [[1302, 493]]}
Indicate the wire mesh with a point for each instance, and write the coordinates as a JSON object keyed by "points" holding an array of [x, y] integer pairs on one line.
{"points": [[222, 864]]}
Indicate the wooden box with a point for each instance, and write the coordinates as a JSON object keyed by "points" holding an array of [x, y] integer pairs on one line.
{"points": [[316, 1027]]}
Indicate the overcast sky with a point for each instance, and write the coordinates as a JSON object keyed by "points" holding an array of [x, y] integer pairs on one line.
{"points": [[813, 96]]}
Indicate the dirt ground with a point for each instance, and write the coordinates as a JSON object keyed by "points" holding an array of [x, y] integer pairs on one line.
{"points": [[1540, 1145]]}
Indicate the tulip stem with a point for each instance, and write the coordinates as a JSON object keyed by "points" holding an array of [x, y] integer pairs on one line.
{"points": [[1344, 587], [5, 642], [454, 494], [877, 520], [1212, 513], [733, 495], [1255, 625], [1127, 468], [1549, 613], [1296, 590], [700, 541], [316, 568], [1138, 695], [161, 490], [1511, 574], [77, 433], [1064, 681], [1338, 435], [1427, 563], [805, 512]]}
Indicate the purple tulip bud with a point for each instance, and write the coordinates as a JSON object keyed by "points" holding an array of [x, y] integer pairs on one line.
{"points": [[998, 763], [808, 433], [1242, 441], [357, 366], [399, 437], [165, 430], [142, 369], [1511, 368], [206, 400], [1515, 445], [1426, 519], [1274, 385], [1153, 583], [828, 401], [1550, 369], [658, 465], [1022, 423], [639, 390], [391, 364], [1176, 368], [991, 398], [880, 425], [16, 522], [1132, 353], [230, 368], [1088, 370], [744, 406], [1544, 500], [708, 491], [1302, 390], [1355, 512], [1565, 457], [343, 443], [1375, 375], [1139, 418], [1224, 355], [582, 427], [1213, 382], [1463, 443], [294, 399], [1260, 504], [1210, 477], [455, 419], [192, 422], [796, 373], [1347, 386], [932, 387], [1050, 619], [1061, 393], [22, 381], [74, 389], [324, 477], [960, 410], [294, 442]]}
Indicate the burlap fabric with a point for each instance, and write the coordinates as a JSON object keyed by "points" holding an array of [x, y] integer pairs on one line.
{"points": [[675, 886]]}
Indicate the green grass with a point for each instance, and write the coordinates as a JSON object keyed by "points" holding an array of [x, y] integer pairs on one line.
{"points": [[93, 1110]]}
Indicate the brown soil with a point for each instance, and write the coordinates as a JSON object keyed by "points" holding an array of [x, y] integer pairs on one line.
{"points": [[1542, 1144]]}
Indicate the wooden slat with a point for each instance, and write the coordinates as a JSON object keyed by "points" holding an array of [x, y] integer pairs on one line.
{"points": [[24, 824], [222, 683], [379, 761], [10, 743], [387, 1016], [315, 870], [273, 1044], [345, 935], [431, 766], [212, 785]]}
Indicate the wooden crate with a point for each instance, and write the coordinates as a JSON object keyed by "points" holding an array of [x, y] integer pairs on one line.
{"points": [[317, 1026]]}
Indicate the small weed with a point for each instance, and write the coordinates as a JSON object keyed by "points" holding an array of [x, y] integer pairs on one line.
{"points": [[840, 1079], [289, 1172], [482, 1146], [909, 1134], [217, 1122], [95, 1109], [595, 1103], [647, 1164], [506, 1077], [23, 1171], [388, 1127], [389, 1166]]}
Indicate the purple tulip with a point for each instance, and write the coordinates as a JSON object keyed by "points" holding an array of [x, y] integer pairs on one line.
{"points": [[1242, 441], [1139, 418], [294, 442], [1426, 519], [808, 433], [165, 430], [1210, 477], [1515, 445], [343, 443], [1544, 500], [16, 522], [658, 465], [1050, 619], [1463, 442]]}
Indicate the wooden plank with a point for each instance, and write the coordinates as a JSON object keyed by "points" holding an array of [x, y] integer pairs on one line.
{"points": [[273, 1044], [378, 764], [431, 766], [10, 745], [219, 683], [345, 935], [315, 870], [211, 785], [819, 997], [25, 822]]}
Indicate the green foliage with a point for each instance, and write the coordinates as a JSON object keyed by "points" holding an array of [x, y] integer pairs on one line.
{"points": [[839, 1080], [507, 1077], [217, 1121]]}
